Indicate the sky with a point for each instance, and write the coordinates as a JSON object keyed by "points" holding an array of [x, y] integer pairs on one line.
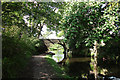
{"points": [[51, 36], [44, 30]]}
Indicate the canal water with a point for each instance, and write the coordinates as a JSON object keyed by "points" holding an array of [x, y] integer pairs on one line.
{"points": [[83, 68]]}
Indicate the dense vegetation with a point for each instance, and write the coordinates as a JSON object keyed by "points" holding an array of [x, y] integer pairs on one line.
{"points": [[88, 28], [22, 24], [93, 28], [86, 23]]}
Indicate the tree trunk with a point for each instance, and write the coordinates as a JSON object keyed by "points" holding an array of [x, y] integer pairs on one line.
{"points": [[95, 61], [39, 30], [65, 49], [65, 53], [20, 35]]}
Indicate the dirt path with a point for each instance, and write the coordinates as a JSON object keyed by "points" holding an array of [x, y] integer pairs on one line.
{"points": [[38, 68]]}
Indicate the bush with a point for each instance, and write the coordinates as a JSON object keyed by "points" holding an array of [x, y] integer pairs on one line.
{"points": [[16, 51], [15, 55]]}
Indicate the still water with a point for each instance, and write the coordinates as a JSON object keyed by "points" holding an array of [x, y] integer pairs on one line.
{"points": [[83, 68]]}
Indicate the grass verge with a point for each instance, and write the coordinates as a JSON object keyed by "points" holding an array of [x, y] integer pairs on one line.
{"points": [[57, 68]]}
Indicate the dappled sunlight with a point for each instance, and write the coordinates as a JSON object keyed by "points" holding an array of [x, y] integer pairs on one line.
{"points": [[78, 40], [38, 68], [38, 56], [43, 75]]}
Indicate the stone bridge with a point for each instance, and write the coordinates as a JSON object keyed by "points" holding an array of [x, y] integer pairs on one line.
{"points": [[46, 43], [49, 41]]}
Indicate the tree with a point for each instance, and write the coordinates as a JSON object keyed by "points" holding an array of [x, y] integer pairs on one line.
{"points": [[20, 37], [87, 24], [36, 14], [41, 13]]}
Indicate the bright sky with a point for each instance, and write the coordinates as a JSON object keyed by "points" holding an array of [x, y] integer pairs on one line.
{"points": [[51, 36], [44, 29]]}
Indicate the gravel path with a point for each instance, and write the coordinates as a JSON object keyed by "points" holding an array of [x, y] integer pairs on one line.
{"points": [[38, 68]]}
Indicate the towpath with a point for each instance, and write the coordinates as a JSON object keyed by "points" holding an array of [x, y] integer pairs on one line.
{"points": [[38, 68]]}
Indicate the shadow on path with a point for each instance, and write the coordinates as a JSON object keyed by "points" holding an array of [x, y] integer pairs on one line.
{"points": [[38, 68]]}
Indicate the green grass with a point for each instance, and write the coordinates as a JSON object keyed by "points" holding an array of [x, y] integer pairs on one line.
{"points": [[57, 68]]}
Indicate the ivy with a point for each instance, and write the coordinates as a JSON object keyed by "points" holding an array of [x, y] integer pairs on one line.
{"points": [[86, 22]]}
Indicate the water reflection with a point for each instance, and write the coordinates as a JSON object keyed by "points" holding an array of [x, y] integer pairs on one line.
{"points": [[59, 56], [83, 68], [80, 69], [112, 68]]}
